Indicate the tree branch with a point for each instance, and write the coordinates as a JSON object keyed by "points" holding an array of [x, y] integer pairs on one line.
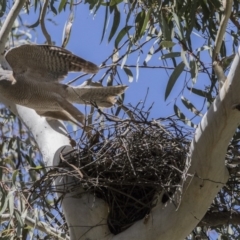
{"points": [[42, 18], [8, 23], [227, 4]]}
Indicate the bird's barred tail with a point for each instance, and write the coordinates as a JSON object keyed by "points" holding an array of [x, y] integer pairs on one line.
{"points": [[101, 96]]}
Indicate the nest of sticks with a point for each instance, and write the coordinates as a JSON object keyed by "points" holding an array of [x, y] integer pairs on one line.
{"points": [[128, 163]]}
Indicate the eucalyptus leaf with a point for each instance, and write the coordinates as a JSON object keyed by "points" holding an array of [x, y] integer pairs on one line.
{"points": [[121, 34], [129, 73], [167, 44], [171, 55], [62, 5], [116, 21], [173, 78], [182, 117]]}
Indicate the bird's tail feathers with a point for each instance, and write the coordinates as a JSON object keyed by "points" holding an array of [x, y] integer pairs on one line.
{"points": [[77, 64], [101, 96]]}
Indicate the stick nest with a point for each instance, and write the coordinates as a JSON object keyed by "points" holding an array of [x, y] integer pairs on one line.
{"points": [[128, 164], [131, 164]]}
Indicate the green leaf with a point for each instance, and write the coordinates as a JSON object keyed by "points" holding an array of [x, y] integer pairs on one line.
{"points": [[53, 9], [141, 23], [36, 168], [167, 44], [62, 5], [5, 203], [121, 34], [198, 92], [182, 117], [105, 22], [137, 68], [11, 203], [166, 27], [11, 143], [34, 24], [92, 4], [183, 56], [193, 70], [227, 61], [116, 21], [146, 19], [19, 218], [190, 106], [203, 48], [173, 78], [126, 55], [171, 55], [133, 5], [14, 177], [36, 2], [129, 73], [149, 55], [115, 2], [67, 30], [178, 24], [3, 5]]}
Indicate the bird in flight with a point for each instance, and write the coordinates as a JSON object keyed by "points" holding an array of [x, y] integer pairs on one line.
{"points": [[34, 82]]}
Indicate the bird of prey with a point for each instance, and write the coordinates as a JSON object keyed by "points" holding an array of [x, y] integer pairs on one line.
{"points": [[34, 82]]}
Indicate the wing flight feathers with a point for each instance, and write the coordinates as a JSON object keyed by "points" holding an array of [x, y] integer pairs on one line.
{"points": [[45, 63]]}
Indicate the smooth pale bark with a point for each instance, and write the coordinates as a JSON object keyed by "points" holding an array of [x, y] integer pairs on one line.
{"points": [[86, 215]]}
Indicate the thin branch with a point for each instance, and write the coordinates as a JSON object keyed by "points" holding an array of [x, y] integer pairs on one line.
{"points": [[42, 17], [227, 4], [8, 23], [148, 67]]}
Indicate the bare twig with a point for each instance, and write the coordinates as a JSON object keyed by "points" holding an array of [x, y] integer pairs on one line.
{"points": [[42, 17], [7, 25], [227, 4]]}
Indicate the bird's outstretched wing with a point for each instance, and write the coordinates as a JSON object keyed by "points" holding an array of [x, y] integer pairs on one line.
{"points": [[45, 63]]}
